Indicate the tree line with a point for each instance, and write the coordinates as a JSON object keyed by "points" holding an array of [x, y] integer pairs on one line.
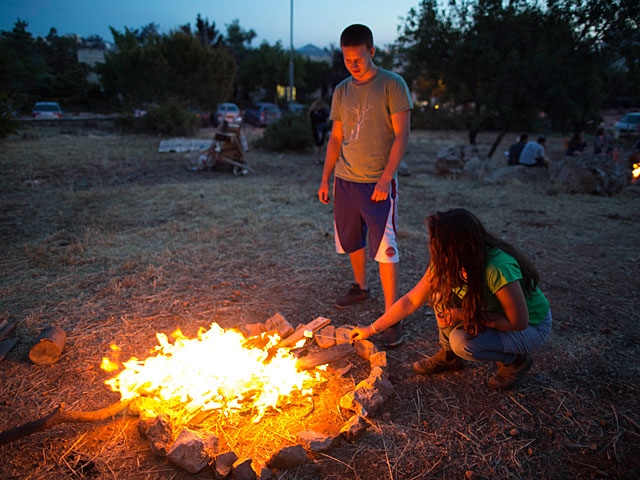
{"points": [[495, 64]]}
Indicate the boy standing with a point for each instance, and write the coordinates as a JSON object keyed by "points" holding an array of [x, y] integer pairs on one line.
{"points": [[371, 116]]}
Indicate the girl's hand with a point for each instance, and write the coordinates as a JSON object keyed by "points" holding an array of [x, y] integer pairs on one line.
{"points": [[360, 333]]}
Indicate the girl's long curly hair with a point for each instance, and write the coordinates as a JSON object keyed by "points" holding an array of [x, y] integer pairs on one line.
{"points": [[458, 244]]}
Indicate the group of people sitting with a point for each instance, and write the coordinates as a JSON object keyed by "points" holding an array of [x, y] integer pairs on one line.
{"points": [[532, 153], [528, 153]]}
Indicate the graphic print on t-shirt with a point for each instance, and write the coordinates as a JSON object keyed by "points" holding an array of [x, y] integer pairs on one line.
{"points": [[352, 129]]}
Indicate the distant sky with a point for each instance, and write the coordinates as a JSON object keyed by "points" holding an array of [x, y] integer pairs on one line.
{"points": [[317, 22]]}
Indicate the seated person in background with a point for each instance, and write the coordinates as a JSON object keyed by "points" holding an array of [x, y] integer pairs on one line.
{"points": [[532, 154], [599, 141], [576, 145], [516, 149]]}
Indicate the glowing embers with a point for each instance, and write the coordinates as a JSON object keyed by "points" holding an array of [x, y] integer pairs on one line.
{"points": [[215, 371]]}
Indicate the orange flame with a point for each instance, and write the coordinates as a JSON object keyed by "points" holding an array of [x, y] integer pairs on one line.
{"points": [[213, 371], [636, 171]]}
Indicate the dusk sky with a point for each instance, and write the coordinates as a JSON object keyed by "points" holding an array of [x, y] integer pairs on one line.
{"points": [[319, 22]]}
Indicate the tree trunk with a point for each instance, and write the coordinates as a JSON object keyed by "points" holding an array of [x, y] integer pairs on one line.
{"points": [[497, 141]]}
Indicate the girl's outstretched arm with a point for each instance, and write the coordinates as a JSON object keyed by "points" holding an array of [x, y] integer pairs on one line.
{"points": [[516, 314], [404, 307]]}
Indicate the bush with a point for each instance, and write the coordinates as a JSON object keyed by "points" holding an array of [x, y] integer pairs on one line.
{"points": [[170, 119], [291, 132]]}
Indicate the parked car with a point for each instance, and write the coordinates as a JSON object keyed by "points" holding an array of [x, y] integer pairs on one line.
{"points": [[228, 112], [46, 110], [630, 123], [262, 114]]}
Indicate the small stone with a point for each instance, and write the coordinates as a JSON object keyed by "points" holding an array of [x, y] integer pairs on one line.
{"points": [[593, 447], [191, 451], [378, 359], [326, 337], [354, 428], [243, 470], [470, 475], [224, 464], [514, 432], [343, 335], [365, 348], [160, 434], [280, 324], [365, 400], [386, 416], [379, 379], [530, 451], [288, 457], [317, 442]]}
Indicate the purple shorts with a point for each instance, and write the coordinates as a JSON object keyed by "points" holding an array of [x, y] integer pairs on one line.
{"points": [[356, 215]]}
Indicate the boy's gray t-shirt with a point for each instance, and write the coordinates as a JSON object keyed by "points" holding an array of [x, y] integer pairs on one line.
{"points": [[365, 112]]}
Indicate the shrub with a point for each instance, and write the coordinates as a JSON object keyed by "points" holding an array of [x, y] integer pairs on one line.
{"points": [[291, 132], [168, 119]]}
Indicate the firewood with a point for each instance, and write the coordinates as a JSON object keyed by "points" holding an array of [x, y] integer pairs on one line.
{"points": [[6, 328], [59, 416], [5, 346], [49, 347], [329, 355], [296, 336]]}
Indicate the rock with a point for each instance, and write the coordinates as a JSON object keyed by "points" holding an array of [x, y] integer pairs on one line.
{"points": [[452, 160], [224, 464], [593, 174], [354, 428], [379, 379], [280, 324], [475, 168], [343, 335], [288, 457], [378, 359], [514, 432], [326, 337], [253, 329], [191, 451], [317, 442], [160, 434], [365, 348], [403, 169], [517, 173], [365, 400], [243, 470]]}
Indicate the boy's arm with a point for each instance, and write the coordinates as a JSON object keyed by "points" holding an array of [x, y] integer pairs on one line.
{"points": [[330, 159], [401, 122]]}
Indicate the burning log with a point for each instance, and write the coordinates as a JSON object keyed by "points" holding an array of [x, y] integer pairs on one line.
{"points": [[49, 346], [301, 332], [59, 416], [326, 356]]}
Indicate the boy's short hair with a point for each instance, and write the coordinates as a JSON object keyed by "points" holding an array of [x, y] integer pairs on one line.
{"points": [[356, 35]]}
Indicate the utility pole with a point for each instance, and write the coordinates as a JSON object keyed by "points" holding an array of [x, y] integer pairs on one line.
{"points": [[290, 93]]}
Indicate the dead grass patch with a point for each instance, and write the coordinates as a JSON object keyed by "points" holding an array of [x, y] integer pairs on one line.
{"points": [[114, 242]]}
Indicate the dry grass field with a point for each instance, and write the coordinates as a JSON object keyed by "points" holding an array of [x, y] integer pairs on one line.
{"points": [[113, 242]]}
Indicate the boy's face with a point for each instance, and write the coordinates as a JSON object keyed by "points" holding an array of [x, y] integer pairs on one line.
{"points": [[359, 61]]}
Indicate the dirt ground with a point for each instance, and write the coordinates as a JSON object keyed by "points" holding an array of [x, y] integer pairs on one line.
{"points": [[114, 242]]}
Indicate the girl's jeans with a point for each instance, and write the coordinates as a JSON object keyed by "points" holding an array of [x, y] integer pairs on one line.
{"points": [[494, 345]]}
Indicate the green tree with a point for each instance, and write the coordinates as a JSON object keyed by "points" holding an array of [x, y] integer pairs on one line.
{"points": [[508, 61], [177, 68]]}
